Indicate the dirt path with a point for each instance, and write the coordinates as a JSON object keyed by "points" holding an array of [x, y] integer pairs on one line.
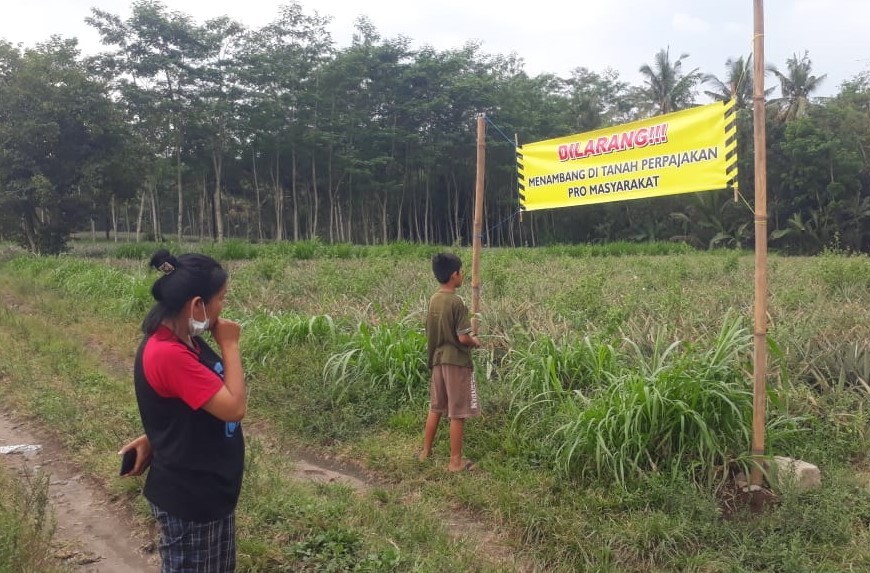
{"points": [[93, 534]]}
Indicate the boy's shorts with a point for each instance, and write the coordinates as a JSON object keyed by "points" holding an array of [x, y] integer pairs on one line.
{"points": [[453, 391]]}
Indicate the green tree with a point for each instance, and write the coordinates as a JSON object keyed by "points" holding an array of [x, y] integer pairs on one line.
{"points": [[596, 100], [61, 142], [280, 69], [154, 64], [218, 94], [667, 88], [797, 85], [737, 85]]}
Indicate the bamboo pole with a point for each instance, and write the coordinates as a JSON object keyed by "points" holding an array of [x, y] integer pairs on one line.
{"points": [[478, 224], [759, 400]]}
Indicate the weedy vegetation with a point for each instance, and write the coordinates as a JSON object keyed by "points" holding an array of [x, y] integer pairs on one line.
{"points": [[26, 524], [616, 382]]}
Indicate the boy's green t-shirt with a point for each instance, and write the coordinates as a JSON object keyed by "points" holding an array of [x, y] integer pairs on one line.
{"points": [[447, 318]]}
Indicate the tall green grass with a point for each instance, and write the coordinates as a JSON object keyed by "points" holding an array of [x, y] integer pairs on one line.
{"points": [[237, 250], [268, 336], [648, 409], [544, 366], [130, 294], [388, 358]]}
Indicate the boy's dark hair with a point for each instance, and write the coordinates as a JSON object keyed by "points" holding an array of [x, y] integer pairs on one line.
{"points": [[184, 277], [444, 265]]}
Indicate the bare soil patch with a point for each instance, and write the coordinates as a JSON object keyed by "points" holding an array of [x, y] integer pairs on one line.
{"points": [[94, 534]]}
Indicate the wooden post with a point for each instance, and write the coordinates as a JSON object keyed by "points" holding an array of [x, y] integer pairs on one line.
{"points": [[759, 363], [478, 224]]}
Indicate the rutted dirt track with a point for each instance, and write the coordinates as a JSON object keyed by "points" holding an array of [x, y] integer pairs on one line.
{"points": [[93, 534], [96, 535]]}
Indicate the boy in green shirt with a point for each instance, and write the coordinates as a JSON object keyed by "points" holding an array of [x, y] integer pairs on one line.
{"points": [[452, 389]]}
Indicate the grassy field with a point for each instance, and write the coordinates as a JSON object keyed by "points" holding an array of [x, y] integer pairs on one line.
{"points": [[615, 382]]}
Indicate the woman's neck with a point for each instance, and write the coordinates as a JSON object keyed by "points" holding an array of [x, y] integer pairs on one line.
{"points": [[179, 329]]}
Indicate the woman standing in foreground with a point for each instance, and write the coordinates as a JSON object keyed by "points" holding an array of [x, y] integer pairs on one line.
{"points": [[191, 402]]}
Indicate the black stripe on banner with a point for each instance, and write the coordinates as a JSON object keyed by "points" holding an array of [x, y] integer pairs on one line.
{"points": [[519, 156], [520, 175], [522, 187], [731, 155], [730, 140]]}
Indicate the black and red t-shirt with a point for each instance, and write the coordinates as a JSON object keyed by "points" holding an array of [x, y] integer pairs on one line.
{"points": [[198, 459]]}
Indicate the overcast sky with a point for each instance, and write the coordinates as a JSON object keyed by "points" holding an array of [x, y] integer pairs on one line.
{"points": [[550, 36]]}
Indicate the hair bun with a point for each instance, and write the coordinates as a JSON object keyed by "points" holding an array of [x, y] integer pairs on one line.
{"points": [[164, 262]]}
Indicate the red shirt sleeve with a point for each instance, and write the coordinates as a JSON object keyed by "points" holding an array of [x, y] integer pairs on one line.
{"points": [[174, 371]]}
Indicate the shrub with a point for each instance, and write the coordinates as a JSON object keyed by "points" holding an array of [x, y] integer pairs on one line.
{"points": [[26, 527], [268, 336], [669, 409], [389, 359]]}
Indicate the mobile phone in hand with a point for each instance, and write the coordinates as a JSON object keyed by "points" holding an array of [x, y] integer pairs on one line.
{"points": [[128, 461]]}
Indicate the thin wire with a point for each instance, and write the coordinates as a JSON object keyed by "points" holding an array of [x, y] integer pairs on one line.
{"points": [[503, 221], [509, 140], [752, 56], [745, 202], [514, 145], [743, 73], [499, 224]]}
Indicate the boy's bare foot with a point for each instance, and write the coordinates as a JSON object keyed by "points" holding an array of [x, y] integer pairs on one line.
{"points": [[422, 455], [465, 466]]}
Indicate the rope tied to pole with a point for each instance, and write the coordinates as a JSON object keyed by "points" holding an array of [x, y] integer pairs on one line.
{"points": [[508, 139], [504, 221], [513, 144]]}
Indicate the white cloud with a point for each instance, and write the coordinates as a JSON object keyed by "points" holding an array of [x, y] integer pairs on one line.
{"points": [[549, 36], [736, 29], [689, 24]]}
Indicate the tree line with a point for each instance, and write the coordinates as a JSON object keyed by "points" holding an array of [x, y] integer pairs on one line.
{"points": [[181, 130]]}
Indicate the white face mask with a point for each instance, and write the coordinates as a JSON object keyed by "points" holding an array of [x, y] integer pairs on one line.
{"points": [[197, 327]]}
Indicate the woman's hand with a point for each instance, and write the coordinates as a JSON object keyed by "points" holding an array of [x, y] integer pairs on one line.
{"points": [[226, 332], [143, 455], [230, 403]]}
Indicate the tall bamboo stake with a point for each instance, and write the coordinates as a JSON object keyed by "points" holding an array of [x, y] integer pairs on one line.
{"points": [[478, 224], [759, 400]]}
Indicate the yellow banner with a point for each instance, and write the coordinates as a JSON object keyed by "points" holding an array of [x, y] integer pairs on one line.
{"points": [[683, 152]]}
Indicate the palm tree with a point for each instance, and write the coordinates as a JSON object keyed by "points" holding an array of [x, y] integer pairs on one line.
{"points": [[797, 86], [738, 83], [667, 87]]}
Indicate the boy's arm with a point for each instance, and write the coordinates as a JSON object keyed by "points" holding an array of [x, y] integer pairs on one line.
{"points": [[469, 340], [463, 332]]}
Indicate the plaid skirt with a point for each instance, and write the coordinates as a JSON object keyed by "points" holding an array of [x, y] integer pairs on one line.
{"points": [[191, 547]]}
